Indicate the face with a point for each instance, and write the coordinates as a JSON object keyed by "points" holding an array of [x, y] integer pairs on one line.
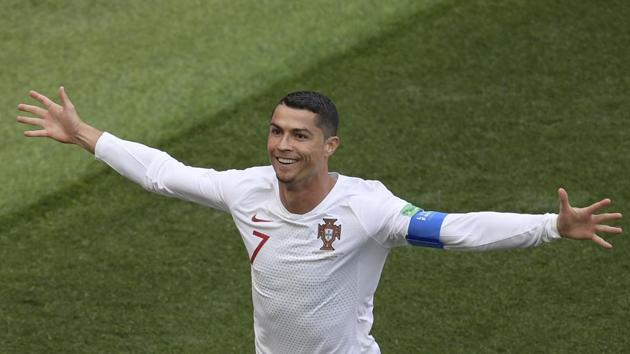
{"points": [[297, 148]]}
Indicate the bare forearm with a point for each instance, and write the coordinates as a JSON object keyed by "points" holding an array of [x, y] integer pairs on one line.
{"points": [[87, 136]]}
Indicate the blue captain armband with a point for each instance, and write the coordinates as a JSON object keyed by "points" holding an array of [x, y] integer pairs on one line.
{"points": [[424, 229]]}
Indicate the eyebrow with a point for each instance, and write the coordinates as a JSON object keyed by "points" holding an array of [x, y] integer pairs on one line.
{"points": [[295, 130]]}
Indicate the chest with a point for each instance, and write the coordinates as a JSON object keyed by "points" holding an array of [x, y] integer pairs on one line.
{"points": [[330, 237]]}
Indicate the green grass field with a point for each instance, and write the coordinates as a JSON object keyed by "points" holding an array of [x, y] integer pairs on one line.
{"points": [[454, 105]]}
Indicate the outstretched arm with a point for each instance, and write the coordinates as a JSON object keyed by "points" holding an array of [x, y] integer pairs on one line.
{"points": [[59, 122], [490, 231], [153, 169]]}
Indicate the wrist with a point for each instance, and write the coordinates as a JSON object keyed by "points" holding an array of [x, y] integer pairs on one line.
{"points": [[87, 136], [551, 228], [554, 229]]}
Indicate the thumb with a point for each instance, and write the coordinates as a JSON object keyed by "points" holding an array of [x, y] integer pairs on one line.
{"points": [[564, 199]]}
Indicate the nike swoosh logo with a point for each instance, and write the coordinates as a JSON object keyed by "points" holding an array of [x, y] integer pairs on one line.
{"points": [[255, 219]]}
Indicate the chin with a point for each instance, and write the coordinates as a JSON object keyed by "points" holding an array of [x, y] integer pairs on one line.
{"points": [[283, 179], [283, 176]]}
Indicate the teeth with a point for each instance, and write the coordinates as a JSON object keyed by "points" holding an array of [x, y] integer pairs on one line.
{"points": [[286, 161]]}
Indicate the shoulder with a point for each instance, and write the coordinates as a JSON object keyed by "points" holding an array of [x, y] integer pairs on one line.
{"points": [[360, 189], [366, 197], [256, 173], [253, 177], [376, 207], [238, 184]]}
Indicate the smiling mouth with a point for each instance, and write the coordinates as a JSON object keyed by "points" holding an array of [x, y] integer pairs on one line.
{"points": [[286, 161]]}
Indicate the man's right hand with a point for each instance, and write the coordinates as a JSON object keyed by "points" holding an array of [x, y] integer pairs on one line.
{"points": [[61, 123]]}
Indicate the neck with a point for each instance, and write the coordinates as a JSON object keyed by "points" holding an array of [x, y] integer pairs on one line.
{"points": [[302, 198]]}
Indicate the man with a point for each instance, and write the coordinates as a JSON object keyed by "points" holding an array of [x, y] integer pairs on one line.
{"points": [[317, 240]]}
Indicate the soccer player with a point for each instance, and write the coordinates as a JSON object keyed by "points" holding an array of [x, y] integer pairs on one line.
{"points": [[317, 241]]}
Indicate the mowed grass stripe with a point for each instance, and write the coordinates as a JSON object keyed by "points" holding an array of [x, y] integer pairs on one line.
{"points": [[208, 153], [177, 277], [152, 69], [88, 258]]}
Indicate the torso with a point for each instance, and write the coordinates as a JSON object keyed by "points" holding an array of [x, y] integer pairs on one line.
{"points": [[313, 275]]}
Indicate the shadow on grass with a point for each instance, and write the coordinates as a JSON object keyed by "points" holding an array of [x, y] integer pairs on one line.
{"points": [[455, 107], [212, 142]]}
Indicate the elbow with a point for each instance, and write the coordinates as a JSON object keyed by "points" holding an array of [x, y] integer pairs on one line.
{"points": [[157, 173]]}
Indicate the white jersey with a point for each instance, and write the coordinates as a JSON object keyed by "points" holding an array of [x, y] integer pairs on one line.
{"points": [[314, 275]]}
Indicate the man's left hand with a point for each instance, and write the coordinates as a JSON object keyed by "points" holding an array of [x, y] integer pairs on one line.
{"points": [[584, 223]]}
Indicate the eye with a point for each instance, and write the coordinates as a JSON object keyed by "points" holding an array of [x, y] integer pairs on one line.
{"points": [[275, 131], [300, 136]]}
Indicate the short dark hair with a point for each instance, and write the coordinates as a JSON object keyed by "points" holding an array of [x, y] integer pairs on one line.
{"points": [[328, 118]]}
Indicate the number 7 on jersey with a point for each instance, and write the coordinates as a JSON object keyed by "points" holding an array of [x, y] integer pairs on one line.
{"points": [[264, 239]]}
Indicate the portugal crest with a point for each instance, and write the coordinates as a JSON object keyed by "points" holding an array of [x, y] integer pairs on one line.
{"points": [[328, 232]]}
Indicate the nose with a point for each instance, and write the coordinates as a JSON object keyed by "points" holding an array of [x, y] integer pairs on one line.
{"points": [[285, 143]]}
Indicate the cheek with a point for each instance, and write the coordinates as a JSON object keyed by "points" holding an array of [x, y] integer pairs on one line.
{"points": [[270, 144], [316, 153]]}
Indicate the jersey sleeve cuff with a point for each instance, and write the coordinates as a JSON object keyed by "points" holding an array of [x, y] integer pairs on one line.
{"points": [[551, 228], [100, 149]]}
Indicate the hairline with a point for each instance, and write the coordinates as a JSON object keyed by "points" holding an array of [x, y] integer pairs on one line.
{"points": [[318, 119]]}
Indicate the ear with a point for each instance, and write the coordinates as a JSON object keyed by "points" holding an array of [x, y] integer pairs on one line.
{"points": [[331, 145]]}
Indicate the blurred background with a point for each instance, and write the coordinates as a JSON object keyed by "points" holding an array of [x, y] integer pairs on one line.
{"points": [[454, 105]]}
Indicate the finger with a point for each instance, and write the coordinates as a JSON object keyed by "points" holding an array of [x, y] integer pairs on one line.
{"points": [[608, 229], [41, 98], [65, 100], [602, 218], [32, 121], [595, 206], [39, 111], [600, 241], [36, 133], [564, 199]]}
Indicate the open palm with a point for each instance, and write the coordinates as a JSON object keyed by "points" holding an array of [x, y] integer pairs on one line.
{"points": [[583, 223], [59, 122]]}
